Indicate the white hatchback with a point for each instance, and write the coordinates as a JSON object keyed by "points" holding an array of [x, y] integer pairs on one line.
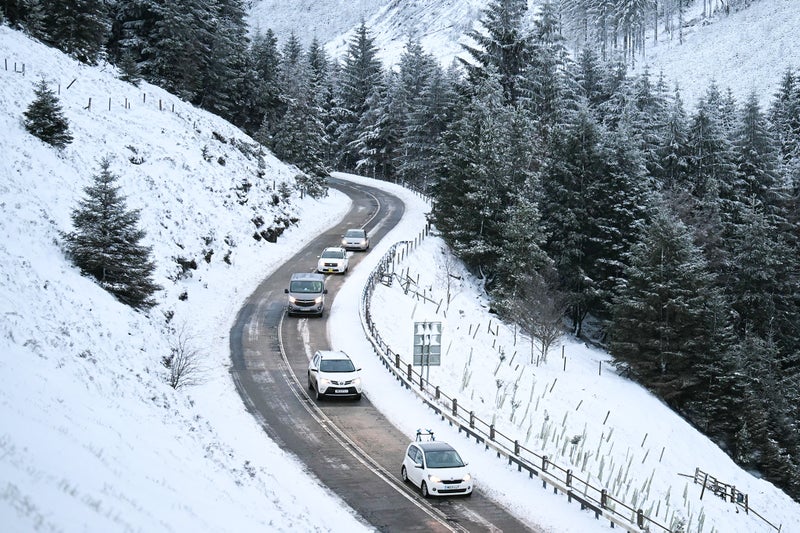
{"points": [[332, 373], [436, 469]]}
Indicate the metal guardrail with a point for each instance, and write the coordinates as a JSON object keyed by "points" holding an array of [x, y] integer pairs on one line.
{"points": [[594, 499]]}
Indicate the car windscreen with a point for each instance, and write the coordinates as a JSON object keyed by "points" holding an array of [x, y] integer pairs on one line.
{"points": [[336, 365], [355, 233], [333, 254], [309, 286], [443, 459]]}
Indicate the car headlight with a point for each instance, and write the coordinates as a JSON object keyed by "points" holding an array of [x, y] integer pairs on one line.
{"points": [[325, 381], [434, 479], [467, 477], [292, 299], [357, 381], [318, 299], [344, 241]]}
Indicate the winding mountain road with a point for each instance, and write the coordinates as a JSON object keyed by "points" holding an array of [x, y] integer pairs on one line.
{"points": [[349, 446]]}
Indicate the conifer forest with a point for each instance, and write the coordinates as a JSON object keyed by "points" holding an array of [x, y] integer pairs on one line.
{"points": [[669, 236]]}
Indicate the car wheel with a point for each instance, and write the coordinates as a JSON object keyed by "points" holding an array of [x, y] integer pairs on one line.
{"points": [[310, 386], [404, 474], [318, 396], [424, 490]]}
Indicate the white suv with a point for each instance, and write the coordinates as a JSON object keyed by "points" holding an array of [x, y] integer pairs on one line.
{"points": [[333, 259], [436, 468], [332, 373]]}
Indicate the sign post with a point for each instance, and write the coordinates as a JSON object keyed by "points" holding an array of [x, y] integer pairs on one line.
{"points": [[427, 345]]}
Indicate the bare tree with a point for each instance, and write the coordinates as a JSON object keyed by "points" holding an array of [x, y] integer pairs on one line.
{"points": [[538, 307], [448, 275], [184, 362]]}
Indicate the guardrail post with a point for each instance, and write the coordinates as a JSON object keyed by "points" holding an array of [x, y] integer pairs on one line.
{"points": [[516, 447], [421, 382], [603, 498], [491, 432], [472, 419], [397, 360], [436, 393], [410, 371], [544, 463], [455, 407], [640, 518]]}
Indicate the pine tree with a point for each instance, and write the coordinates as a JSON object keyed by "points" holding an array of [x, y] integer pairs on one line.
{"points": [[503, 46], [80, 28], [105, 243], [359, 80], [472, 188], [667, 315], [45, 119]]}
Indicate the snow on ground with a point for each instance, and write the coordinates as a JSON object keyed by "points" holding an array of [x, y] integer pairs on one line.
{"points": [[746, 51], [629, 441], [93, 439]]}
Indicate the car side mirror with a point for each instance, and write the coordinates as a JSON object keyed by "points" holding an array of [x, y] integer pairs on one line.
{"points": [[325, 291], [286, 291]]}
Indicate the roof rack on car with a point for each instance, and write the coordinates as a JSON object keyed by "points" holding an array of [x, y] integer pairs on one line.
{"points": [[426, 433]]}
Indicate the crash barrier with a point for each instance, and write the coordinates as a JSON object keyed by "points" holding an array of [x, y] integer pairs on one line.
{"points": [[595, 499]]}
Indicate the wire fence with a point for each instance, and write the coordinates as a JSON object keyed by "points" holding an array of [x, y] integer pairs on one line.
{"points": [[107, 103]]}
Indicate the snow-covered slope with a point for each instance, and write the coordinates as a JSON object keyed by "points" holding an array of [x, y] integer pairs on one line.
{"points": [[91, 436], [744, 51]]}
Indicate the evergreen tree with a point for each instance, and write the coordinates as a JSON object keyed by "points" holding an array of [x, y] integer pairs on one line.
{"points": [[44, 117], [106, 242], [673, 150], [549, 90], [472, 189], [264, 96], [377, 141], [666, 317], [757, 157], [414, 158], [177, 49], [359, 80], [576, 160], [502, 46], [225, 68], [79, 28], [299, 136]]}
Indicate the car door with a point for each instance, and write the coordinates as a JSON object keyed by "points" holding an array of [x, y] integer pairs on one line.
{"points": [[313, 368], [414, 473]]}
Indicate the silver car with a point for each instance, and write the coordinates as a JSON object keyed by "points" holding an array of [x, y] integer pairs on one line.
{"points": [[355, 239]]}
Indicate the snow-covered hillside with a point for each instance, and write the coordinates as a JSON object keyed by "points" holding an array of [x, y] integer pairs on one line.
{"points": [[91, 436], [744, 51]]}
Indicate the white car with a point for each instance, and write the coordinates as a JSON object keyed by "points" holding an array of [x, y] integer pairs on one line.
{"points": [[332, 373], [333, 260], [436, 469], [355, 239]]}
